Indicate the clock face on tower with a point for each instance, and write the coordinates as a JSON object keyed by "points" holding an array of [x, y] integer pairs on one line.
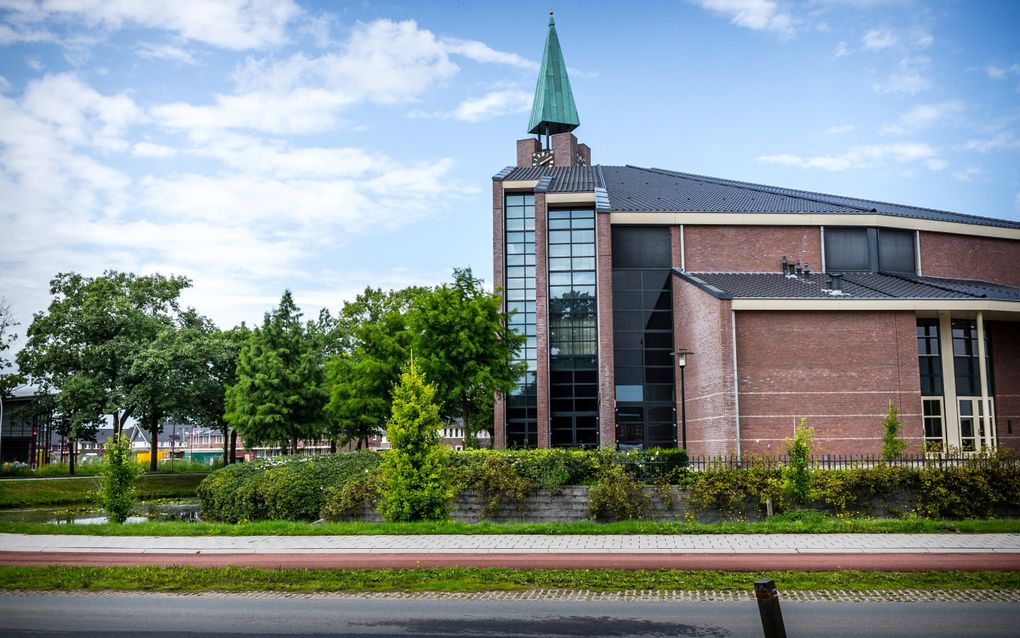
{"points": [[542, 158]]}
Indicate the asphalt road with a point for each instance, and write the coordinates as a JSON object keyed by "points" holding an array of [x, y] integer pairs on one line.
{"points": [[151, 615]]}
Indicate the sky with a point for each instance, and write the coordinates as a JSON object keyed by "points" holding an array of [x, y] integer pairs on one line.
{"points": [[322, 147]]}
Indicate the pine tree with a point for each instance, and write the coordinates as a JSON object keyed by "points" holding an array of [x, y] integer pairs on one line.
{"points": [[892, 445], [416, 475], [278, 396]]}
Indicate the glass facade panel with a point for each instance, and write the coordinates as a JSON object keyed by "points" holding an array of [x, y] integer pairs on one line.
{"points": [[573, 333], [869, 250], [643, 337], [965, 359], [519, 284], [934, 436], [929, 359]]}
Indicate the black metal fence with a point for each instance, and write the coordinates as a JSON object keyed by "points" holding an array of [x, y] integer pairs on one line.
{"points": [[851, 461]]}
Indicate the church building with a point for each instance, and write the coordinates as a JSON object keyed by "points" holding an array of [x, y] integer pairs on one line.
{"points": [[668, 309]]}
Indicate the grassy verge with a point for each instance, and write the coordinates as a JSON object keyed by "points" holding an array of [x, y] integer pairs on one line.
{"points": [[472, 579], [29, 493], [784, 524]]}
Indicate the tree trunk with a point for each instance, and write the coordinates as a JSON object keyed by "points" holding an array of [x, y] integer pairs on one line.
{"points": [[116, 423], [154, 445], [233, 446], [332, 445], [226, 446], [469, 437], [293, 445], [70, 456]]}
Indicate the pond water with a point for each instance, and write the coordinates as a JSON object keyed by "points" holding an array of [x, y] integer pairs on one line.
{"points": [[185, 511]]}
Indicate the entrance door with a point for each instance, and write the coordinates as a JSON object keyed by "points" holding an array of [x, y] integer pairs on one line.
{"points": [[977, 430]]}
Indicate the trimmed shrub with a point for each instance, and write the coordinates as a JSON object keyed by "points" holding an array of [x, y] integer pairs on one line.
{"points": [[617, 496], [118, 490], [350, 499], [734, 491], [282, 488]]}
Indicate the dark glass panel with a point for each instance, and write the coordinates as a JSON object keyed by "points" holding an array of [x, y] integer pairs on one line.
{"points": [[642, 247], [626, 280], [896, 250], [846, 249]]}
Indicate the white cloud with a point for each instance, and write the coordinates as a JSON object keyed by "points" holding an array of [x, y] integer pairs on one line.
{"points": [[967, 173], [753, 14], [936, 164], [5, 85], [481, 52], [9, 35], [913, 77], [1002, 72], [878, 39], [1003, 140], [147, 149], [923, 116], [860, 157], [841, 50], [169, 52], [34, 63], [491, 105], [839, 130], [229, 24]]}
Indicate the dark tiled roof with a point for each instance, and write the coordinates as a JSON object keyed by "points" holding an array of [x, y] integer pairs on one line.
{"points": [[635, 189], [565, 179], [761, 285]]}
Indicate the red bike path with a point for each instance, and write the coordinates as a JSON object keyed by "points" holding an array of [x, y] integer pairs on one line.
{"points": [[972, 561]]}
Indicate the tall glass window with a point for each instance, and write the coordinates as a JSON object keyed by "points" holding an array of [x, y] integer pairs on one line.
{"points": [[929, 361], [643, 337], [573, 333], [965, 359], [519, 285]]}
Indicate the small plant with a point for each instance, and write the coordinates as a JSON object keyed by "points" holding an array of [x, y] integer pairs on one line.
{"points": [[892, 445], [117, 491], [617, 495], [416, 471], [797, 473]]}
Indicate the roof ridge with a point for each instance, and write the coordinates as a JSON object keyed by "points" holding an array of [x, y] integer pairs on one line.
{"points": [[915, 279], [760, 188], [800, 190]]}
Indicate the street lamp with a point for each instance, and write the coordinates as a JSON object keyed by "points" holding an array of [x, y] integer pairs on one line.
{"points": [[681, 362]]}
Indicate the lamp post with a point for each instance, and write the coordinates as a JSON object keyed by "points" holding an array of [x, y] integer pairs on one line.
{"points": [[681, 362]]}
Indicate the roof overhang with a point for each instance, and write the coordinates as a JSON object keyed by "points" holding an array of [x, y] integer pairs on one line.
{"points": [[969, 305], [809, 219]]}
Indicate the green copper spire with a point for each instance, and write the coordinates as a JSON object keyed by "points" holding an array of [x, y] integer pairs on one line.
{"points": [[553, 110]]}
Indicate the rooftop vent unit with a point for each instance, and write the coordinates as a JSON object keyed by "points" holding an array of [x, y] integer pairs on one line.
{"points": [[835, 282]]}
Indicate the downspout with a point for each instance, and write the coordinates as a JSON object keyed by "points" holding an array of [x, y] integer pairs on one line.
{"points": [[736, 378]]}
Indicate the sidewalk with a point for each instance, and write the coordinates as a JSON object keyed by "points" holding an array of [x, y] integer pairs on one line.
{"points": [[909, 552]]}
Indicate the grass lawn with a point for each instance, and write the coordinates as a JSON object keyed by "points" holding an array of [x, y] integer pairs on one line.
{"points": [[798, 522], [472, 579], [60, 491]]}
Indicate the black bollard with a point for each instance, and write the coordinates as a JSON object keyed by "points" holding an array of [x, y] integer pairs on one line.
{"points": [[768, 607]]}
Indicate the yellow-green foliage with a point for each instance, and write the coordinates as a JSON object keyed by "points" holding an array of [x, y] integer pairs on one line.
{"points": [[617, 496], [797, 473], [118, 491], [416, 471], [732, 491]]}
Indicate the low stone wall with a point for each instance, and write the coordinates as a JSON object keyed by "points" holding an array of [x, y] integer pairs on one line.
{"points": [[570, 503]]}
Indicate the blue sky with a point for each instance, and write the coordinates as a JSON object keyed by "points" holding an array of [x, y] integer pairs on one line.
{"points": [[324, 147]]}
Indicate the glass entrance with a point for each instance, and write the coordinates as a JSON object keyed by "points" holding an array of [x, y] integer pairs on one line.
{"points": [[977, 431]]}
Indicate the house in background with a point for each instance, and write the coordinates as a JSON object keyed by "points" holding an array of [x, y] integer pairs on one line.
{"points": [[664, 309]]}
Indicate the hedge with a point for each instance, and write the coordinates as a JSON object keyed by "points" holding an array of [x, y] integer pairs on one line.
{"points": [[335, 486]]}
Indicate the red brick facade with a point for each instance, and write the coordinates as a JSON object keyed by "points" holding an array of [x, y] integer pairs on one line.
{"points": [[1005, 339], [750, 248], [706, 330], [840, 370], [604, 289], [983, 258], [498, 264], [542, 316]]}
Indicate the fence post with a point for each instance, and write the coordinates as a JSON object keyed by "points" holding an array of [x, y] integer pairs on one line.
{"points": [[768, 606]]}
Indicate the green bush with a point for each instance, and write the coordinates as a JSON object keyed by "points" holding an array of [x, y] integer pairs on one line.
{"points": [[282, 488], [797, 473], [349, 500], [118, 491], [855, 491], [892, 445], [617, 496], [416, 471], [732, 491]]}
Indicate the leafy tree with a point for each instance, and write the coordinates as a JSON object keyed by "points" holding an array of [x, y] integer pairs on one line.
{"points": [[117, 491], [220, 351], [360, 379], [463, 345], [892, 445], [8, 379], [278, 396], [94, 342], [416, 473], [796, 481]]}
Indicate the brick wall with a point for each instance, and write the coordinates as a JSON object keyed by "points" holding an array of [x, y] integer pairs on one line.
{"points": [[564, 146], [604, 289], [542, 316], [984, 258], [498, 259], [1005, 345], [750, 248], [705, 329], [525, 149], [837, 369]]}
